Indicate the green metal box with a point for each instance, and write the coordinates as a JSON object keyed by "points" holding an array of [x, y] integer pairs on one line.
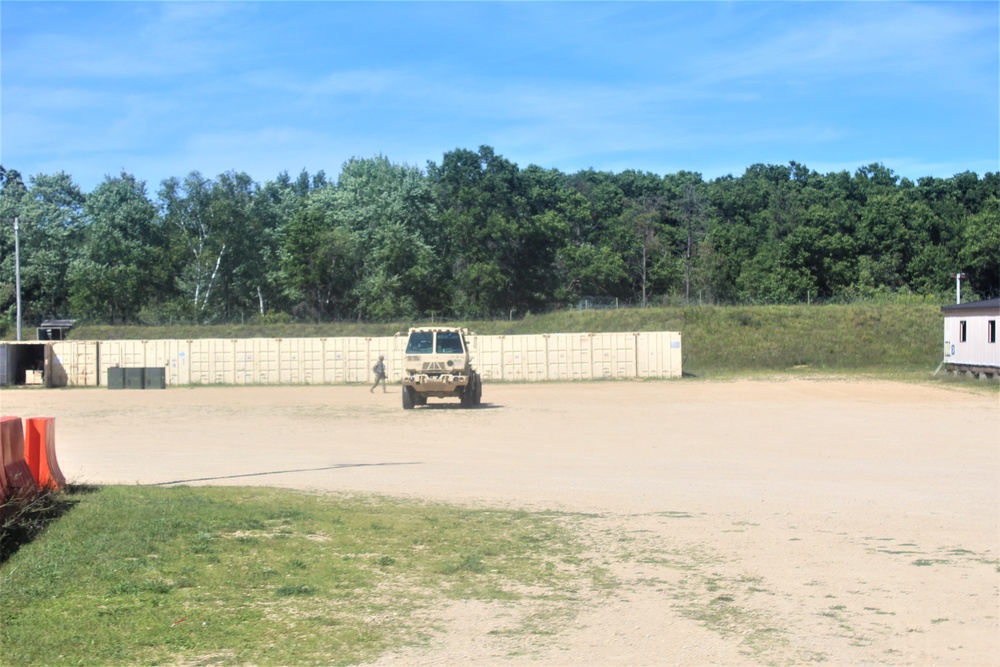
{"points": [[155, 378], [116, 378], [134, 378]]}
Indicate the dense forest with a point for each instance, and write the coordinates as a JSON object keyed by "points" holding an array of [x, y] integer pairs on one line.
{"points": [[476, 236]]}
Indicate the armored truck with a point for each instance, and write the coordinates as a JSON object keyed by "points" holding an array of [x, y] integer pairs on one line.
{"points": [[436, 364]]}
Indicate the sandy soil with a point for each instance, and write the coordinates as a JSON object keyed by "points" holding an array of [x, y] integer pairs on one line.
{"points": [[748, 522]]}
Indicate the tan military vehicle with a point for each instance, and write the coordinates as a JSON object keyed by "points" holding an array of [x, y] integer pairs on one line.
{"points": [[436, 364]]}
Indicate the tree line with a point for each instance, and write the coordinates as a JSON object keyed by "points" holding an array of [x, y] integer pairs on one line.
{"points": [[476, 236]]}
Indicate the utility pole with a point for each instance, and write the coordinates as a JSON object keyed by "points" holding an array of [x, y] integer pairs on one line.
{"points": [[17, 272], [17, 277], [958, 286]]}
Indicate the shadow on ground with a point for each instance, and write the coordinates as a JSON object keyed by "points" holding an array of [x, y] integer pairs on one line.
{"points": [[24, 518]]}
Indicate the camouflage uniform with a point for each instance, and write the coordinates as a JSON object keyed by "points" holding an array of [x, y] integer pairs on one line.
{"points": [[379, 370]]}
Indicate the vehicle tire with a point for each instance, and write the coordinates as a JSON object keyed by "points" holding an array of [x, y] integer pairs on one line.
{"points": [[473, 391], [420, 399], [479, 389], [408, 399]]}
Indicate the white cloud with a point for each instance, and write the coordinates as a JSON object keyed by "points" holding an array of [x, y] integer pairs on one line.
{"points": [[853, 40], [217, 86]]}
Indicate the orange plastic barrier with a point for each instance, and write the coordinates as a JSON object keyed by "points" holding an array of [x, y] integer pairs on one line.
{"points": [[17, 477], [40, 452], [7, 428]]}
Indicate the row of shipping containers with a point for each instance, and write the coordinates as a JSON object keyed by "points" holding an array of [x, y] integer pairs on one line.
{"points": [[261, 361]]}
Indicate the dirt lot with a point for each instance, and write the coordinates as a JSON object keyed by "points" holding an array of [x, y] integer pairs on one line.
{"points": [[748, 522]]}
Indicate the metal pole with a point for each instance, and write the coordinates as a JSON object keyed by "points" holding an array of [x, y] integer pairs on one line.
{"points": [[17, 277], [958, 286]]}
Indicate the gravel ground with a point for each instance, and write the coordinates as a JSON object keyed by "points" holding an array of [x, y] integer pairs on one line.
{"points": [[747, 522]]}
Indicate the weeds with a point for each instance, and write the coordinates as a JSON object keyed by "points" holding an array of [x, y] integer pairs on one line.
{"points": [[24, 518]]}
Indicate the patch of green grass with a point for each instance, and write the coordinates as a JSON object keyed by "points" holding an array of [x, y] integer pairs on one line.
{"points": [[472, 562], [143, 575]]}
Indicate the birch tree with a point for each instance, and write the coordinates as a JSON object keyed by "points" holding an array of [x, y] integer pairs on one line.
{"points": [[186, 208]]}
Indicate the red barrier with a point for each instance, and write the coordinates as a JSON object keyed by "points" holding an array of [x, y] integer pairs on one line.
{"points": [[7, 428], [40, 452], [18, 480]]}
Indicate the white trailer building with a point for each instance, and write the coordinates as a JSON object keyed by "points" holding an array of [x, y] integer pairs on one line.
{"points": [[970, 337]]}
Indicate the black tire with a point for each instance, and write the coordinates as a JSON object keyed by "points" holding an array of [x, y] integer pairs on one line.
{"points": [[420, 399], [473, 392], [408, 399]]}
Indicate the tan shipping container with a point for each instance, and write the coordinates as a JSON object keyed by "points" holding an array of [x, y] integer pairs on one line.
{"points": [[261, 361]]}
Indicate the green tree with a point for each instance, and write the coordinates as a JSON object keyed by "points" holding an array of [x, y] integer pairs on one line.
{"points": [[361, 247], [592, 262], [197, 247], [50, 214], [692, 223], [980, 255], [274, 207], [390, 211], [645, 249], [120, 270], [504, 254], [736, 229], [884, 240], [591, 270], [400, 272], [321, 264]]}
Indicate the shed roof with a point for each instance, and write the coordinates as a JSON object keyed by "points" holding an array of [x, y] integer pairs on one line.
{"points": [[989, 305], [57, 324]]}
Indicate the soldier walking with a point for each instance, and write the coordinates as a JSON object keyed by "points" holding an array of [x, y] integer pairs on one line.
{"points": [[379, 370]]}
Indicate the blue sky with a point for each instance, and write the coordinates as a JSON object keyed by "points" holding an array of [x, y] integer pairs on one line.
{"points": [[162, 89]]}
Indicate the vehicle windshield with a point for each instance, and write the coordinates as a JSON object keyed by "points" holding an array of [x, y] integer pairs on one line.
{"points": [[449, 342], [421, 342]]}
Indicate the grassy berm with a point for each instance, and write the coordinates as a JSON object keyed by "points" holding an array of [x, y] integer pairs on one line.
{"points": [[716, 339], [256, 576]]}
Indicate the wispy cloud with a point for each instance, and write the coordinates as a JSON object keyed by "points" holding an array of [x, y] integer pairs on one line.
{"points": [[264, 87], [855, 39]]}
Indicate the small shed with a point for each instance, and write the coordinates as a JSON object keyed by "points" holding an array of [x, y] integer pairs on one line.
{"points": [[54, 329], [970, 337]]}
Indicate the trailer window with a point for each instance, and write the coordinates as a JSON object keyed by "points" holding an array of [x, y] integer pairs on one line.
{"points": [[961, 331], [991, 331]]}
